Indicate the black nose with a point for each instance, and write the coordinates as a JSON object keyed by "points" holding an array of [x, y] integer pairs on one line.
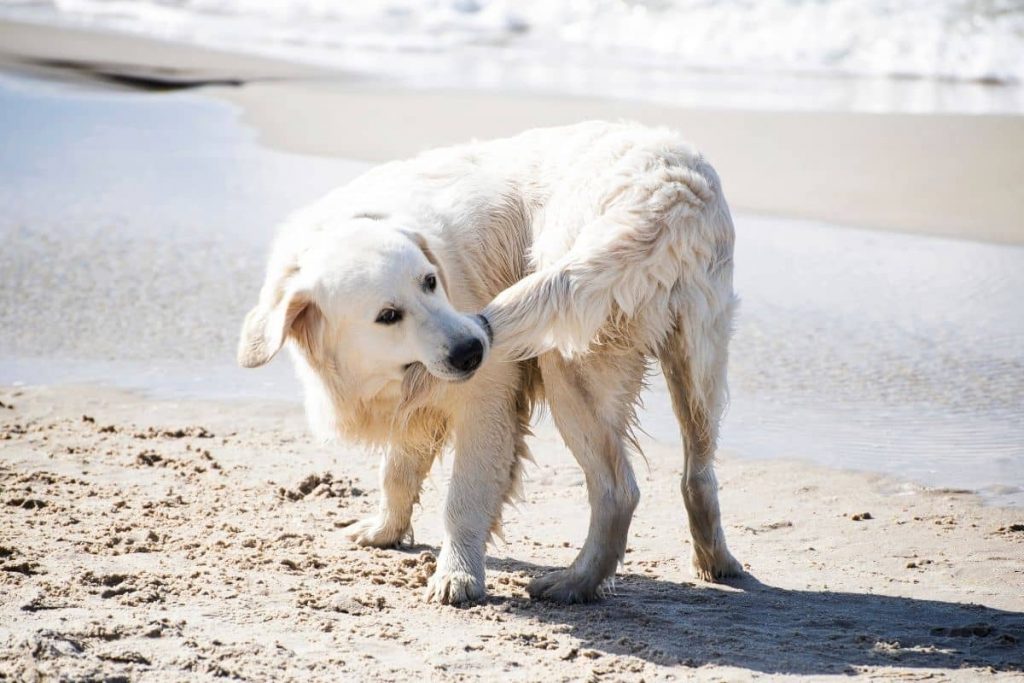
{"points": [[466, 355]]}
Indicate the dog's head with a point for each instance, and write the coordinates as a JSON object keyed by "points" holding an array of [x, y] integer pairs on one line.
{"points": [[366, 300]]}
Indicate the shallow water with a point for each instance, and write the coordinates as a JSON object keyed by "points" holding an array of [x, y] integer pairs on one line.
{"points": [[866, 350], [135, 227]]}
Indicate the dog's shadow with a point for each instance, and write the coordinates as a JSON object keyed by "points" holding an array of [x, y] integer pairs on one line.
{"points": [[754, 626]]}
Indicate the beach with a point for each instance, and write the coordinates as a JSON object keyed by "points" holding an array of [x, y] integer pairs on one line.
{"points": [[162, 540], [166, 515]]}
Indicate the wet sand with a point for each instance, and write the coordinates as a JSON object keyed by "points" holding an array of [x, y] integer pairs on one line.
{"points": [[133, 61], [192, 529], [948, 175]]}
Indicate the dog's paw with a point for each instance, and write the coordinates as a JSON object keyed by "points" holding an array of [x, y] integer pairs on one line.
{"points": [[454, 587], [373, 532], [714, 567], [568, 587]]}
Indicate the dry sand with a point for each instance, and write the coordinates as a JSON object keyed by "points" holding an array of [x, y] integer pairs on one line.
{"points": [[159, 541]]}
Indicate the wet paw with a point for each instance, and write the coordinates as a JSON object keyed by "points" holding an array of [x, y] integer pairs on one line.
{"points": [[454, 587], [568, 587], [373, 532]]}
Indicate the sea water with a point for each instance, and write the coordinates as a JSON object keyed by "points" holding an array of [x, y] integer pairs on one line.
{"points": [[135, 227], [864, 55]]}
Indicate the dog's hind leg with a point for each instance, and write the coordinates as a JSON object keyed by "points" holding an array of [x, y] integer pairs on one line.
{"points": [[402, 471], [693, 359], [592, 400]]}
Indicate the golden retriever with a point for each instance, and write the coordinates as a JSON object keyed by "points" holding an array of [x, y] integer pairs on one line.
{"points": [[434, 302]]}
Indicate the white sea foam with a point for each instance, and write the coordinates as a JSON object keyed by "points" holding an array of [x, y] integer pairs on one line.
{"points": [[951, 39], [867, 55]]}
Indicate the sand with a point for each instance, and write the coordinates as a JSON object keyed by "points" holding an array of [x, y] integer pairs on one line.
{"points": [[949, 175], [156, 541], [133, 61]]}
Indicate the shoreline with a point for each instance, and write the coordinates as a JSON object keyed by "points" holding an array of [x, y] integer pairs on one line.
{"points": [[943, 174], [142, 62], [935, 413], [206, 382]]}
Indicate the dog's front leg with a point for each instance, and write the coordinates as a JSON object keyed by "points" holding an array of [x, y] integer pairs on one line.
{"points": [[483, 472], [402, 471]]}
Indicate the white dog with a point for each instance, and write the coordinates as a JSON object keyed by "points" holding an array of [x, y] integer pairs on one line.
{"points": [[435, 301]]}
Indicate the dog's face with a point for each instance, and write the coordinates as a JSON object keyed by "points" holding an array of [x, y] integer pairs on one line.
{"points": [[367, 301]]}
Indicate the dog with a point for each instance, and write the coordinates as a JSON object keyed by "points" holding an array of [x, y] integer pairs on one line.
{"points": [[437, 301]]}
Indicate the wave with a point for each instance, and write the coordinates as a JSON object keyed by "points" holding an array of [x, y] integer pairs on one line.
{"points": [[972, 40]]}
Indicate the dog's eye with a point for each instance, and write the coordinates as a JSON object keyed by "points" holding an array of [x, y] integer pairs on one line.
{"points": [[389, 316], [430, 282]]}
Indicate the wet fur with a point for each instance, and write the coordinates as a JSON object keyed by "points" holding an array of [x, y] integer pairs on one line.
{"points": [[591, 250]]}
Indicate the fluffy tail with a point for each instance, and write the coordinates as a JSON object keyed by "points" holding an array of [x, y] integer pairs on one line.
{"points": [[658, 247]]}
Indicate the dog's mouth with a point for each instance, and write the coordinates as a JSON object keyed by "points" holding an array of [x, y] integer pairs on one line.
{"points": [[454, 377], [460, 378]]}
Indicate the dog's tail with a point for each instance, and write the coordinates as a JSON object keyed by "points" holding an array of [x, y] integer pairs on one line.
{"points": [[661, 251]]}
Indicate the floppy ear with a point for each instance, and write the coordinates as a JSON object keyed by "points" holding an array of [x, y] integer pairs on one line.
{"points": [[267, 326]]}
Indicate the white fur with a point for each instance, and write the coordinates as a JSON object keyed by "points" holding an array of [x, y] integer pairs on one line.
{"points": [[589, 250]]}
